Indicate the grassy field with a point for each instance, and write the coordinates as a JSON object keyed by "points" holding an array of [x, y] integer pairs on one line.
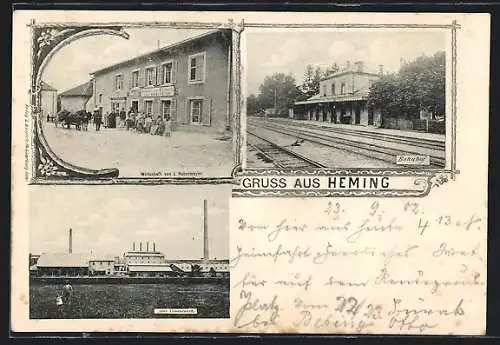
{"points": [[103, 301]]}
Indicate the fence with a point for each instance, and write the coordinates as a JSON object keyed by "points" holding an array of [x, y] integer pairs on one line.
{"points": [[430, 126]]}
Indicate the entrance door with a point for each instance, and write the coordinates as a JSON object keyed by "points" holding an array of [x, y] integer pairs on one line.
{"points": [[324, 114], [135, 106], [370, 117], [357, 115], [344, 119]]}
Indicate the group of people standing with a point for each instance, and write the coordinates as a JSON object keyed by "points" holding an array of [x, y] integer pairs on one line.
{"points": [[146, 124], [135, 121]]}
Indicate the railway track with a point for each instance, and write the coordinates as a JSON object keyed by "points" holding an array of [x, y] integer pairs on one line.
{"points": [[377, 150], [360, 133], [279, 156]]}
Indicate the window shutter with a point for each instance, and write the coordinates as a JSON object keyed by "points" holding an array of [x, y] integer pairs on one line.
{"points": [[142, 78], [206, 112], [155, 75], [173, 111], [187, 113], [160, 75], [174, 72], [200, 61]]}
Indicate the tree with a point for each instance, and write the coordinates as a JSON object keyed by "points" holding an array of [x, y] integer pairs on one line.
{"points": [[419, 85], [332, 69], [253, 106], [278, 92], [312, 77]]}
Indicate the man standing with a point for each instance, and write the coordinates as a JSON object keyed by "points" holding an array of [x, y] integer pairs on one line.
{"points": [[123, 117], [97, 119]]}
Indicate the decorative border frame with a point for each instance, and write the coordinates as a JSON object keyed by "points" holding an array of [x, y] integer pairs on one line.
{"points": [[426, 178], [45, 167]]}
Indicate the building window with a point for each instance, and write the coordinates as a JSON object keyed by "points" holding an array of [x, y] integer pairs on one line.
{"points": [[118, 82], [167, 72], [333, 89], [197, 68], [195, 110], [148, 107], [342, 88], [165, 109], [324, 90], [135, 79], [150, 76]]}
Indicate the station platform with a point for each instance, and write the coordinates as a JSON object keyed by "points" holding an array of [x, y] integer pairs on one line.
{"points": [[360, 128]]}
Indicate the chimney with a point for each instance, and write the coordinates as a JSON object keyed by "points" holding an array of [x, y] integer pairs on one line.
{"points": [[205, 234], [147, 246], [133, 246], [70, 249], [381, 69], [154, 247], [140, 246], [359, 66], [348, 65]]}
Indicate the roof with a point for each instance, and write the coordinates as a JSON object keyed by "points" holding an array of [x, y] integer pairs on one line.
{"points": [[63, 260], [80, 90], [149, 268], [46, 87], [163, 49], [350, 71], [144, 254], [357, 96]]}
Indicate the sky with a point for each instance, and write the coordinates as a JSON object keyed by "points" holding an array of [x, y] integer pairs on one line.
{"points": [[291, 51], [108, 220], [72, 64]]}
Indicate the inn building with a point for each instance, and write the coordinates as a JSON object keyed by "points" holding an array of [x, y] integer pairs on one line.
{"points": [[343, 98], [188, 81]]}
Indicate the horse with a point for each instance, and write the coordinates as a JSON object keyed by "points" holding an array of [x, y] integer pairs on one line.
{"points": [[79, 118]]}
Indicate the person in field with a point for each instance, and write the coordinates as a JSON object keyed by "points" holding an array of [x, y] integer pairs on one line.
{"points": [[67, 293]]}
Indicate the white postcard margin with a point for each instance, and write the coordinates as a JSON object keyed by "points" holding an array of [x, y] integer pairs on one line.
{"points": [[468, 192]]}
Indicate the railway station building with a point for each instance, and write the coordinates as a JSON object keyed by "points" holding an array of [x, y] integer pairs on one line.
{"points": [[187, 81], [342, 98]]}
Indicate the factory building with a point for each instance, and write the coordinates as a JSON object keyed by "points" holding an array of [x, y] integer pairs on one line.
{"points": [[187, 81], [142, 261], [342, 98]]}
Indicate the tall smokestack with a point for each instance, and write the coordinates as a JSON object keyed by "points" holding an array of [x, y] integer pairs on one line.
{"points": [[140, 246], [205, 233], [154, 247], [147, 246], [70, 247], [133, 246]]}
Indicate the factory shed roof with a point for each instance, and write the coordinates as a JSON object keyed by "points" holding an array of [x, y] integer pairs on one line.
{"points": [[149, 268], [63, 260]]}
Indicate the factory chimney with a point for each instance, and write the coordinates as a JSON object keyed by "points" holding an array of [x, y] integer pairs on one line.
{"points": [[147, 246], [70, 247], [381, 69], [205, 234], [133, 246], [154, 247], [140, 246]]}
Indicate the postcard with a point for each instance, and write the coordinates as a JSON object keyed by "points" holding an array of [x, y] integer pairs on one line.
{"points": [[244, 172]]}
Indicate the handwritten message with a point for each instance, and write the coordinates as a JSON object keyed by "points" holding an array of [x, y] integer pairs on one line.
{"points": [[346, 266]]}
